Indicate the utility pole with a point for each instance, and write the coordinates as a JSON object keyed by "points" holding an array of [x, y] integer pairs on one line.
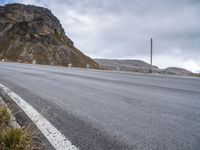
{"points": [[151, 59]]}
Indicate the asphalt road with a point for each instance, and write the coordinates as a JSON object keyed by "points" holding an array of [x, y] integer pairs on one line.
{"points": [[105, 110]]}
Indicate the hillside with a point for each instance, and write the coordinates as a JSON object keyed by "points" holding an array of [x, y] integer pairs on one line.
{"points": [[125, 65], [140, 66], [176, 71], [31, 34]]}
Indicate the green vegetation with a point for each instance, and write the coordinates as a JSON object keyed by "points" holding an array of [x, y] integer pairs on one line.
{"points": [[14, 138], [59, 36], [5, 116]]}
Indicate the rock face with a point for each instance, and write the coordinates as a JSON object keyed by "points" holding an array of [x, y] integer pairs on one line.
{"points": [[33, 34]]}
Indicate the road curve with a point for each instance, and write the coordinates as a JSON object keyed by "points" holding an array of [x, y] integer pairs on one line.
{"points": [[105, 110]]}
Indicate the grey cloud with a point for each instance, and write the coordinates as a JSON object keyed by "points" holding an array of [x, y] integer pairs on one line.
{"points": [[123, 28]]}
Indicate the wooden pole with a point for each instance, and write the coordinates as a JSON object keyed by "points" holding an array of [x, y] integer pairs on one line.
{"points": [[151, 59]]}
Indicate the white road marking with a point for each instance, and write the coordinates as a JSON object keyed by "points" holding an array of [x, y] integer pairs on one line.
{"points": [[55, 137]]}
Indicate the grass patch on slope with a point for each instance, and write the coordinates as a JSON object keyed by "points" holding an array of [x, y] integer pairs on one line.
{"points": [[15, 138]]}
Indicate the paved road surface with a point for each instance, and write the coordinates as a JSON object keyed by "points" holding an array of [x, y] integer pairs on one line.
{"points": [[104, 110]]}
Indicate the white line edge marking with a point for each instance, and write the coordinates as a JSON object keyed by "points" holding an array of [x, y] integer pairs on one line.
{"points": [[55, 137]]}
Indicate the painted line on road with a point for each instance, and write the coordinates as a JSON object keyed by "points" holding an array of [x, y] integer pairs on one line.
{"points": [[54, 136]]}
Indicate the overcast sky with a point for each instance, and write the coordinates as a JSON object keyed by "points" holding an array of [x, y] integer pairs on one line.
{"points": [[122, 28]]}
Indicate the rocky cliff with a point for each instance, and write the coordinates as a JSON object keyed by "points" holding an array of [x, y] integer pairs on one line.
{"points": [[33, 34]]}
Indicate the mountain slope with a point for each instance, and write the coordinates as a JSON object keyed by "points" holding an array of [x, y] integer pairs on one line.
{"points": [[33, 34], [176, 71], [140, 66], [125, 65]]}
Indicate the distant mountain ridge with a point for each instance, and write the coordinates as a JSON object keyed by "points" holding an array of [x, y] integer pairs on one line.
{"points": [[125, 65], [32, 34], [139, 66], [176, 71]]}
